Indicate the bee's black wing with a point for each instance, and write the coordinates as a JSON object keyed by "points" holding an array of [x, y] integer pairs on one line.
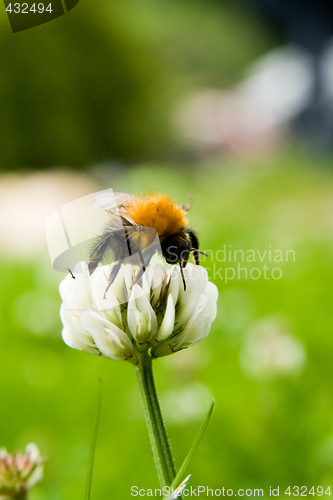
{"points": [[135, 243], [113, 238], [142, 242], [127, 241]]}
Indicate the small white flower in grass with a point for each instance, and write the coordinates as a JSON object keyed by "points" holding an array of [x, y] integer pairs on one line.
{"points": [[271, 349], [155, 315], [19, 472]]}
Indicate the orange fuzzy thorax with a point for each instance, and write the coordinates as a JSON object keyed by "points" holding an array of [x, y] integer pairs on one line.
{"points": [[159, 212]]}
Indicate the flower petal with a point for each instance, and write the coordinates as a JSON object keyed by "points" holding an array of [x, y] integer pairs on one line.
{"points": [[141, 318], [110, 340], [73, 342], [187, 301], [212, 294], [167, 325], [157, 288], [173, 281], [147, 279], [196, 328]]}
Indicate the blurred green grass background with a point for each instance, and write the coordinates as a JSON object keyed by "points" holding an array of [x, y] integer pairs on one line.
{"points": [[100, 85]]}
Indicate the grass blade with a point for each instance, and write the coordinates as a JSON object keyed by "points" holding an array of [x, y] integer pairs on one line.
{"points": [[90, 467], [193, 447]]}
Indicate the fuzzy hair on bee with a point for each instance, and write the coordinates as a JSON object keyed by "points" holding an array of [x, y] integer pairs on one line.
{"points": [[137, 227]]}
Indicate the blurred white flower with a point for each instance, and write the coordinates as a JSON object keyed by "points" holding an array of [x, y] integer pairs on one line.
{"points": [[270, 349], [19, 472], [25, 202], [186, 403], [156, 316]]}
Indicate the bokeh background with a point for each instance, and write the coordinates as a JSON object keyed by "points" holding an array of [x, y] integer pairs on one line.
{"points": [[230, 102]]}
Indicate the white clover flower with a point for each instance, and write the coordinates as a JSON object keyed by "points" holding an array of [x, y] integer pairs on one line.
{"points": [[155, 315], [270, 348], [19, 472]]}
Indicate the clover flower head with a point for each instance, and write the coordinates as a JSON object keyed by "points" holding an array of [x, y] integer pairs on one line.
{"points": [[19, 472], [155, 315]]}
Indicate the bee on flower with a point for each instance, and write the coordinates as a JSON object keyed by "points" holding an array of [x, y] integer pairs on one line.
{"points": [[130, 307], [133, 311], [139, 226]]}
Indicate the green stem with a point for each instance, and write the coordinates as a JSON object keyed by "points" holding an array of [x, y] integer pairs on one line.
{"points": [[160, 421], [157, 432]]}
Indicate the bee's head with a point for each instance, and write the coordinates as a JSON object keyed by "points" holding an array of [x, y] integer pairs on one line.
{"points": [[176, 250]]}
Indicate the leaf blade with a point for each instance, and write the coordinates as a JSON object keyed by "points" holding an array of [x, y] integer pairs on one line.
{"points": [[193, 449]]}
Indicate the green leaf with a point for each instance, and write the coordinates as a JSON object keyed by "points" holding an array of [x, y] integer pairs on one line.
{"points": [[192, 450], [90, 467]]}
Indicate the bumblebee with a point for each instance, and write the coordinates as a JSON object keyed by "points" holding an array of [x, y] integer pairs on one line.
{"points": [[138, 227]]}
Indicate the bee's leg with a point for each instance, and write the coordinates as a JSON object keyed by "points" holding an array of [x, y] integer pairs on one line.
{"points": [[181, 264], [97, 254], [183, 260], [128, 241], [138, 276], [113, 274], [120, 256], [195, 246], [200, 252], [143, 265], [70, 272], [141, 269]]}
